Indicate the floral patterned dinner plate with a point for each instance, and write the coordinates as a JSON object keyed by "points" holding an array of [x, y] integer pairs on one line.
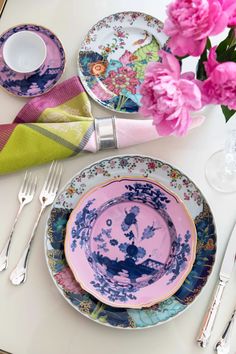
{"points": [[114, 55], [119, 167], [130, 242], [43, 79]]}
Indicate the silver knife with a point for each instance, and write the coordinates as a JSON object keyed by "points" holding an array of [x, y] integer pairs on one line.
{"points": [[224, 276]]}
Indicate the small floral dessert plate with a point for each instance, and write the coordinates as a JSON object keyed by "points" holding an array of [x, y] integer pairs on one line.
{"points": [[119, 167], [130, 242], [41, 80], [114, 55]]}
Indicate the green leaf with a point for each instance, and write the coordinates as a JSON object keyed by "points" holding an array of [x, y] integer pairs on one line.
{"points": [[201, 72], [143, 55], [139, 67], [149, 51], [208, 45], [221, 48], [228, 113], [228, 55]]}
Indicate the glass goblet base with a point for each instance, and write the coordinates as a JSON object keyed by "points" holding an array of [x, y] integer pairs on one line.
{"points": [[217, 175]]}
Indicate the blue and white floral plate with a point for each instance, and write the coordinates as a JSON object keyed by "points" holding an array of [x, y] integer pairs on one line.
{"points": [[118, 167], [130, 242], [114, 55]]}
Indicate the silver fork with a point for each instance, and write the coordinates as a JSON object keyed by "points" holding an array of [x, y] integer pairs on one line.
{"points": [[223, 345], [47, 196], [25, 196]]}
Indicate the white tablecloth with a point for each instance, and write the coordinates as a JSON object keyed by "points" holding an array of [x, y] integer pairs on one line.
{"points": [[34, 318]]}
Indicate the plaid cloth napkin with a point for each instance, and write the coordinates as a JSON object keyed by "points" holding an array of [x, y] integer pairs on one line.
{"points": [[54, 126], [59, 124]]}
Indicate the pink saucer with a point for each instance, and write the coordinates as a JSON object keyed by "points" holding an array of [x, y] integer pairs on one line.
{"points": [[43, 79], [130, 242]]}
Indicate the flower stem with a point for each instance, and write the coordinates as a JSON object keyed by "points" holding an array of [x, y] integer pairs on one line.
{"points": [[99, 307], [124, 99], [121, 102]]}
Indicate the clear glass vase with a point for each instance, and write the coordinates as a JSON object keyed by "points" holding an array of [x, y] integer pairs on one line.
{"points": [[221, 167]]}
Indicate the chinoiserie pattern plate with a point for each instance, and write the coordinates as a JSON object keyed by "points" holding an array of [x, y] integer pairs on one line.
{"points": [[43, 79], [130, 242], [113, 57], [132, 166]]}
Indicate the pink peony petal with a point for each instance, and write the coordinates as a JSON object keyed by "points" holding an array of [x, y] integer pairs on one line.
{"points": [[232, 21], [188, 75], [183, 124], [229, 6], [178, 46], [220, 24], [211, 63], [163, 129], [196, 48], [170, 62], [169, 28], [192, 94], [182, 46], [224, 72]]}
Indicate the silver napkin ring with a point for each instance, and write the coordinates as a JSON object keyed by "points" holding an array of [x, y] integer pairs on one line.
{"points": [[105, 129]]}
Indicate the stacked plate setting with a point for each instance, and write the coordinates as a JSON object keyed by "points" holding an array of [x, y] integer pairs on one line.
{"points": [[130, 241]]}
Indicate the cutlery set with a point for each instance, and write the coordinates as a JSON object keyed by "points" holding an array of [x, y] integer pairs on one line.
{"points": [[25, 196]]}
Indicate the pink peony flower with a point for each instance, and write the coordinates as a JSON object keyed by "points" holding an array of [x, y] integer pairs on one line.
{"points": [[220, 86], [169, 97], [190, 22]]}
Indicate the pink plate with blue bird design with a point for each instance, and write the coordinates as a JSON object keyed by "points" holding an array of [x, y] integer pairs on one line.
{"points": [[130, 242]]}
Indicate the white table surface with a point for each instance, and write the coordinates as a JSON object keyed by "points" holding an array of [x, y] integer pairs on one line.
{"points": [[34, 318]]}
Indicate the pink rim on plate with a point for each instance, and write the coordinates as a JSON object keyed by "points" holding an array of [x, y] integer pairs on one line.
{"points": [[130, 242]]}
